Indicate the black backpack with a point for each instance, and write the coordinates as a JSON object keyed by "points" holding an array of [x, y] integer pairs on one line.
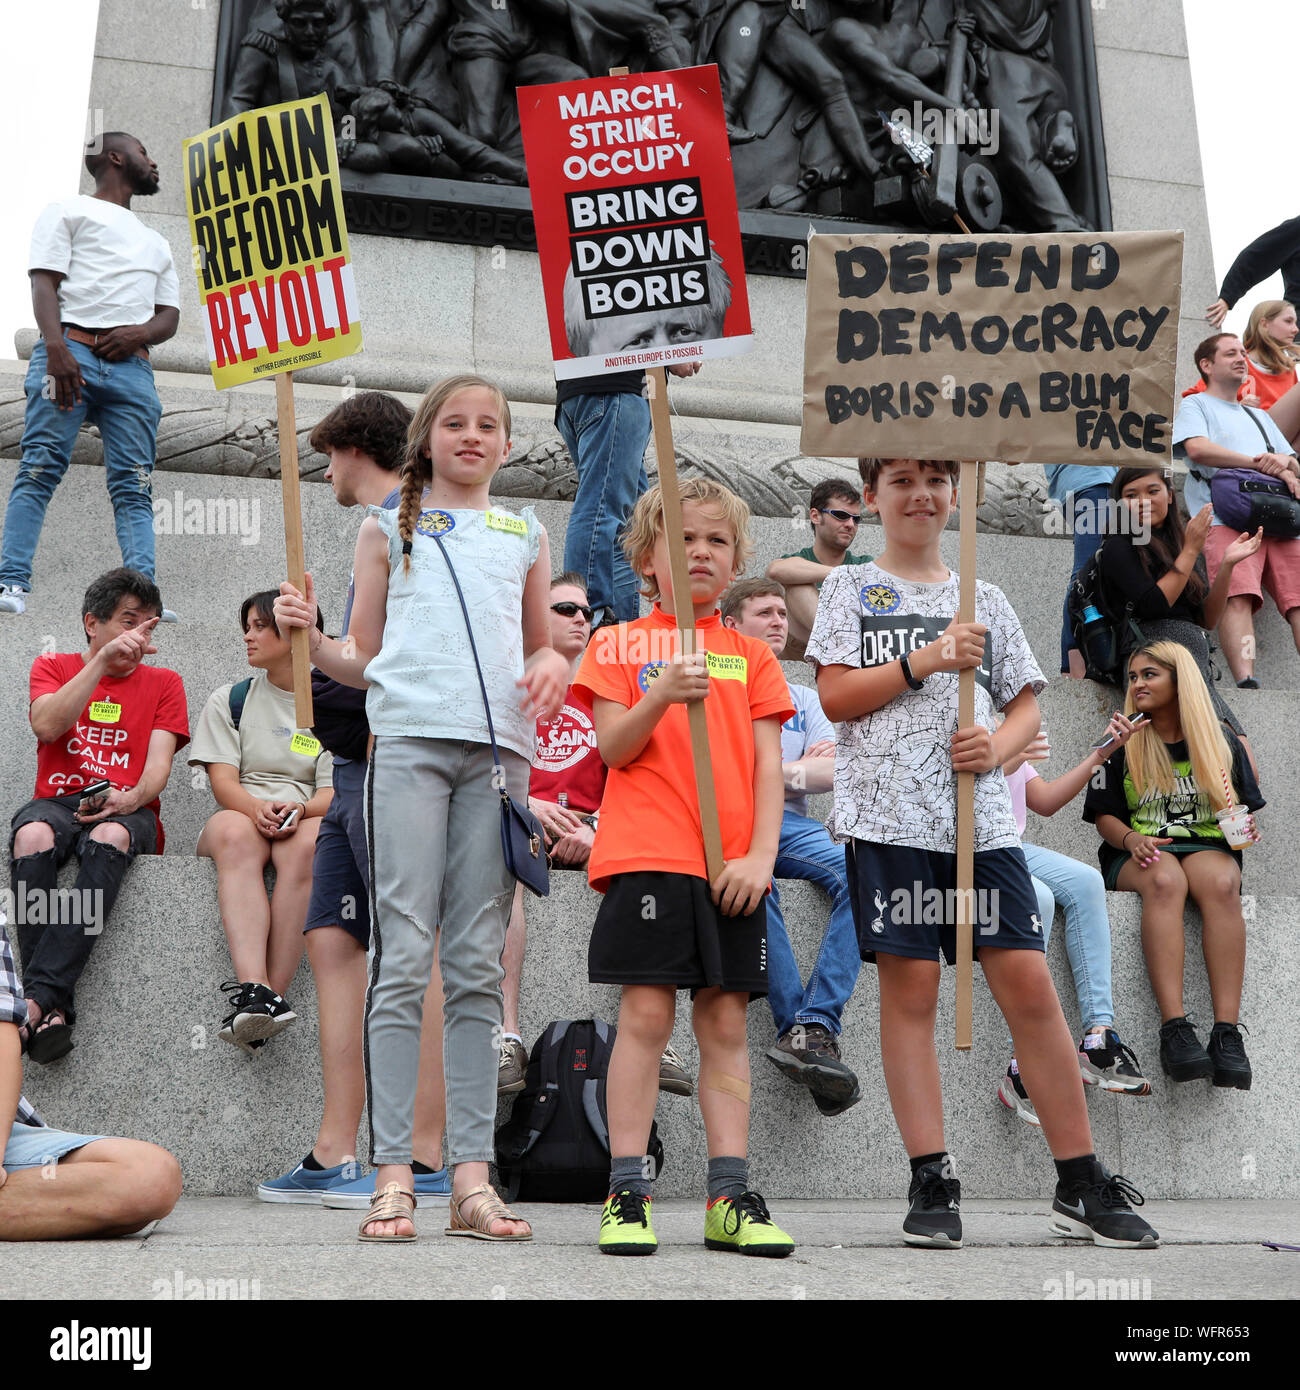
{"points": [[555, 1145], [1103, 640]]}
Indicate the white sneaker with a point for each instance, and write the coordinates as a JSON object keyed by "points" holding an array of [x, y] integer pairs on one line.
{"points": [[13, 599], [168, 616]]}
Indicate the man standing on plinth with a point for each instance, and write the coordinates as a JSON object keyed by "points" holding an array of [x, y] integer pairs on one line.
{"points": [[104, 290]]}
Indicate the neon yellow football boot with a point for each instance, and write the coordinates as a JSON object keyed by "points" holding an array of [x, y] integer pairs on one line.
{"points": [[744, 1225], [625, 1227]]}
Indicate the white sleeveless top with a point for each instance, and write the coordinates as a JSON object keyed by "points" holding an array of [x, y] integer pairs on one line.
{"points": [[422, 683]]}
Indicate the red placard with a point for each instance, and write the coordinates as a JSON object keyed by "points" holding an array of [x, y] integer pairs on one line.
{"points": [[635, 207]]}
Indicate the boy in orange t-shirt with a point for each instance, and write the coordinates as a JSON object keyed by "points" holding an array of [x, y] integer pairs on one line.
{"points": [[662, 926]]}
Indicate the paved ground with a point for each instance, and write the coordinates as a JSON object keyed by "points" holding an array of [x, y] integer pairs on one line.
{"points": [[1211, 1250]]}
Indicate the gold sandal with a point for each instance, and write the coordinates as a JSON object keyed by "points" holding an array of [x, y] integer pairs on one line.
{"points": [[389, 1204], [479, 1225]]}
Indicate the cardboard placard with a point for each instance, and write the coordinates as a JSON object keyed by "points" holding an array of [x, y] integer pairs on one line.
{"points": [[638, 237], [1056, 347], [270, 242]]}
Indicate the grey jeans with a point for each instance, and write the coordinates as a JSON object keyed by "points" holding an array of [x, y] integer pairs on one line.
{"points": [[433, 823]]}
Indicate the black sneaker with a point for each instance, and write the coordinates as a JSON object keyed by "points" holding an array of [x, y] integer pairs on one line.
{"points": [[1227, 1055], [1106, 1062], [934, 1216], [810, 1054], [1099, 1211], [1181, 1055], [256, 1014]]}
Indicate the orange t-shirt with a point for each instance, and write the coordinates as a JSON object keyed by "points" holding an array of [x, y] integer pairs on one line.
{"points": [[650, 817], [1270, 387]]}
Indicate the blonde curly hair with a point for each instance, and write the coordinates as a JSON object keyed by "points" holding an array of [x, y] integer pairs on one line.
{"points": [[647, 522]]}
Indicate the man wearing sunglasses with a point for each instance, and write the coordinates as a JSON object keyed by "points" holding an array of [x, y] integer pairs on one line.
{"points": [[835, 511]]}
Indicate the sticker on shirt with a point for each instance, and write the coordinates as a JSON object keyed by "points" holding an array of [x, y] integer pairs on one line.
{"points": [[105, 712], [727, 668], [885, 639], [564, 740], [306, 745], [435, 523], [880, 598], [649, 673], [503, 521]]}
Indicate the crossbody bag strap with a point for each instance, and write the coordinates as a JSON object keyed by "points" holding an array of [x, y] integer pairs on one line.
{"points": [[1268, 443], [487, 709]]}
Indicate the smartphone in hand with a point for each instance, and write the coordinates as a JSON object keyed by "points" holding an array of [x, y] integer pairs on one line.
{"points": [[1138, 719], [290, 818], [93, 791]]}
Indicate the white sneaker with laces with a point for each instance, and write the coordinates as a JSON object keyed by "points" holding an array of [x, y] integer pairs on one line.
{"points": [[13, 599]]}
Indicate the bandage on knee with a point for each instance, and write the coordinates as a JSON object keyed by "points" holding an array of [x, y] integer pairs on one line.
{"points": [[730, 1085]]}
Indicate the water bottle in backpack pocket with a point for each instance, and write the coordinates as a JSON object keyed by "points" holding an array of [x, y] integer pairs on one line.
{"points": [[1101, 639], [555, 1145]]}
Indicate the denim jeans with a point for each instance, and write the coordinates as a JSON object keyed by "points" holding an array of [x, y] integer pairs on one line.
{"points": [[808, 852], [1081, 892], [121, 399], [606, 437], [1083, 515]]}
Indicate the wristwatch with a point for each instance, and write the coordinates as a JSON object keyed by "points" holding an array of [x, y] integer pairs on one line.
{"points": [[907, 673]]}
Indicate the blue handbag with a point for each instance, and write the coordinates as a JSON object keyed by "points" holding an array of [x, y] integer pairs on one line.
{"points": [[522, 840]]}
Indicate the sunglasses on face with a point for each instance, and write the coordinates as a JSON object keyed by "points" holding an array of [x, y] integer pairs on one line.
{"points": [[842, 516], [567, 609]]}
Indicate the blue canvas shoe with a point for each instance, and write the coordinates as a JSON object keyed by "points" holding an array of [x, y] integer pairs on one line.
{"points": [[306, 1186], [357, 1193]]}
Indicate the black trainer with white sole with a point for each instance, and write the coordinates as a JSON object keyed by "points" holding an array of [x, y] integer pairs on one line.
{"points": [[256, 1014], [1110, 1064], [1099, 1211], [933, 1219]]}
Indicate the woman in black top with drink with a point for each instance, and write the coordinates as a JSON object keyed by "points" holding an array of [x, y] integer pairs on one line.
{"points": [[1152, 561]]}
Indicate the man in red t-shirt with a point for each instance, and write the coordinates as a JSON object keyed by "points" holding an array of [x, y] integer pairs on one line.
{"points": [[98, 716], [564, 792]]}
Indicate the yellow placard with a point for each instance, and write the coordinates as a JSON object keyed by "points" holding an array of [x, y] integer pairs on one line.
{"points": [[503, 521], [306, 745], [727, 668], [269, 242], [105, 712]]}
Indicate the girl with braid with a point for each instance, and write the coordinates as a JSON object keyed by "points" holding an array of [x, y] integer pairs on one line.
{"points": [[432, 805]]}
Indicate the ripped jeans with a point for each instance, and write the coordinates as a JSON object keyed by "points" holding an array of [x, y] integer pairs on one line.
{"points": [[433, 828], [121, 399]]}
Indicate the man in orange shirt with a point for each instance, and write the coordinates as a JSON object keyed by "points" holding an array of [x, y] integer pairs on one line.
{"points": [[663, 926]]}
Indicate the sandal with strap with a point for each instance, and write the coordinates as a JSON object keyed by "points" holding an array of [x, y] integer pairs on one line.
{"points": [[50, 1039], [479, 1225], [392, 1202]]}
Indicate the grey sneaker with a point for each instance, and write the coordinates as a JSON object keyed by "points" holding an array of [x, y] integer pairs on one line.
{"points": [[810, 1054], [168, 616], [13, 599], [510, 1071], [1012, 1094], [673, 1076]]}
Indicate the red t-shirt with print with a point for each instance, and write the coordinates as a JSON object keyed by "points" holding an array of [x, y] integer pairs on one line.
{"points": [[565, 757], [111, 736]]}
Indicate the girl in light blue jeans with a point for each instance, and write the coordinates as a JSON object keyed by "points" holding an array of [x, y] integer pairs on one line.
{"points": [[1104, 1060], [438, 878]]}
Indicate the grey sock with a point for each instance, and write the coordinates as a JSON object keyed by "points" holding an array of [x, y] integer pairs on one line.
{"points": [[728, 1177], [629, 1175]]}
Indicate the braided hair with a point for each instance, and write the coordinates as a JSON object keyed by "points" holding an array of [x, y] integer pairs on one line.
{"points": [[417, 468]]}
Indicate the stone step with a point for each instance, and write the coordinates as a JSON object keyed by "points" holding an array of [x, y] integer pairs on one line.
{"points": [[148, 1062]]}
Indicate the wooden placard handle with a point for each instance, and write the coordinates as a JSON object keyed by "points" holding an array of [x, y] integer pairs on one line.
{"points": [[295, 564], [966, 780], [657, 380]]}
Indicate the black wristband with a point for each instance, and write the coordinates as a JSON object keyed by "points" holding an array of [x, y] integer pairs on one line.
{"points": [[907, 674]]}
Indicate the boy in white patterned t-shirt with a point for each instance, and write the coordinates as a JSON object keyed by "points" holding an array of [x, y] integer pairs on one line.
{"points": [[887, 648]]}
